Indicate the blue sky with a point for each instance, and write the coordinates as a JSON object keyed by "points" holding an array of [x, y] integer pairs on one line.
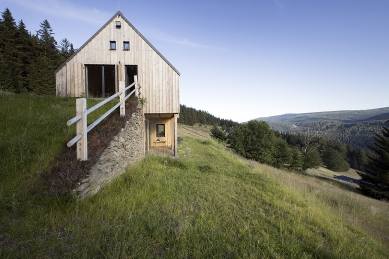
{"points": [[245, 59]]}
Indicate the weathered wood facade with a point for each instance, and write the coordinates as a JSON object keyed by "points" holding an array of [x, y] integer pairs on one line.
{"points": [[115, 54]]}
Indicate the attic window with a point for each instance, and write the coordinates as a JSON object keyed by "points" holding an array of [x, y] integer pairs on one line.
{"points": [[126, 45], [118, 24], [160, 130], [112, 45]]}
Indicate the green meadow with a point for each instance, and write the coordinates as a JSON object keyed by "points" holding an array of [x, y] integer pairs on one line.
{"points": [[208, 203]]}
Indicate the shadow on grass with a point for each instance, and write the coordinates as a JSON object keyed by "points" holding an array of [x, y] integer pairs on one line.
{"points": [[343, 185]]}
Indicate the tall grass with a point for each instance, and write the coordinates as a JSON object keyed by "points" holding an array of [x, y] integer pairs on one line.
{"points": [[341, 198], [209, 203], [32, 131]]}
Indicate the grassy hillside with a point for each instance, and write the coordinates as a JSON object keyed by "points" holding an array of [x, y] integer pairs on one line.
{"points": [[354, 128], [32, 132], [207, 203]]}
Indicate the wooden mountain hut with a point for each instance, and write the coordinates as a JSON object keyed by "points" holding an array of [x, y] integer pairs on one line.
{"points": [[115, 54]]}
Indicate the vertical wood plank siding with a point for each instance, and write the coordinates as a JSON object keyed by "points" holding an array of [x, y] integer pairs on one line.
{"points": [[158, 80]]}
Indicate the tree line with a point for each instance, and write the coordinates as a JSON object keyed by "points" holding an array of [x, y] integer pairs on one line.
{"points": [[190, 116], [257, 141], [355, 157], [356, 133], [28, 60]]}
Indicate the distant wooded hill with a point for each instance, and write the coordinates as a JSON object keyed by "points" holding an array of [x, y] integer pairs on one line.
{"points": [[355, 128], [191, 116]]}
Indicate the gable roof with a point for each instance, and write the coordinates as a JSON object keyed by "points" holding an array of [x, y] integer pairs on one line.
{"points": [[132, 26]]}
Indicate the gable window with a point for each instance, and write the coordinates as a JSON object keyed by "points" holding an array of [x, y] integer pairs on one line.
{"points": [[126, 45], [160, 130], [112, 45]]}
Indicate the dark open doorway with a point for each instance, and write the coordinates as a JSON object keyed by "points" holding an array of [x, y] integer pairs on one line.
{"points": [[100, 80], [131, 71]]}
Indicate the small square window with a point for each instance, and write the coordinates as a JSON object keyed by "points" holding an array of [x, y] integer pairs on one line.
{"points": [[112, 45], [126, 45], [160, 130]]}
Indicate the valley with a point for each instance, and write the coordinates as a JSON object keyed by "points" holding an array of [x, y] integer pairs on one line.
{"points": [[353, 128]]}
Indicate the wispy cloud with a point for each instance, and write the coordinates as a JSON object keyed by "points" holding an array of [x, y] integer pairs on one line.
{"points": [[66, 9], [158, 35], [278, 3], [185, 42]]}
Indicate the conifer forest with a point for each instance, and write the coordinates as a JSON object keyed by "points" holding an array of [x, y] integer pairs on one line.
{"points": [[27, 59]]}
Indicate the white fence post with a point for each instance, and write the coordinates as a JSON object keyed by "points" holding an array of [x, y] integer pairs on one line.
{"points": [[137, 92], [81, 118], [122, 99], [82, 144]]}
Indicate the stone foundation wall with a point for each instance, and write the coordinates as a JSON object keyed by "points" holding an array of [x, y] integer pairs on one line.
{"points": [[124, 149]]}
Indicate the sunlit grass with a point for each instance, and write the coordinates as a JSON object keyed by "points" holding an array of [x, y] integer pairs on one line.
{"points": [[32, 131], [208, 203], [341, 198]]}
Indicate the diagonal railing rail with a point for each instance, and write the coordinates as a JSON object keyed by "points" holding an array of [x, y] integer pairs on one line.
{"points": [[82, 114]]}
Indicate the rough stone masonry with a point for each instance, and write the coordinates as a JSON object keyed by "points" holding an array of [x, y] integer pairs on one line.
{"points": [[126, 148]]}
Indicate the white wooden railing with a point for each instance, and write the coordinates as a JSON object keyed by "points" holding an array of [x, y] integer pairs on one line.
{"points": [[82, 114]]}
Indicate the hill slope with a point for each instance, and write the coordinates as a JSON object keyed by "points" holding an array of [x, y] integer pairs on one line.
{"points": [[207, 203], [349, 116], [354, 128]]}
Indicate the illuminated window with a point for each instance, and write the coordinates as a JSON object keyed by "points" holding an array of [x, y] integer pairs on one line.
{"points": [[112, 45], [126, 45], [160, 130]]}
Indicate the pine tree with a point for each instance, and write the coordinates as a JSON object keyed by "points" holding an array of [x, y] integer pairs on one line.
{"points": [[218, 133], [9, 55], [47, 42], [353, 163], [236, 139], [375, 181], [42, 79], [311, 159], [3, 67], [41, 76], [362, 159], [65, 50], [296, 161], [253, 140], [282, 154], [334, 160], [25, 48]]}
